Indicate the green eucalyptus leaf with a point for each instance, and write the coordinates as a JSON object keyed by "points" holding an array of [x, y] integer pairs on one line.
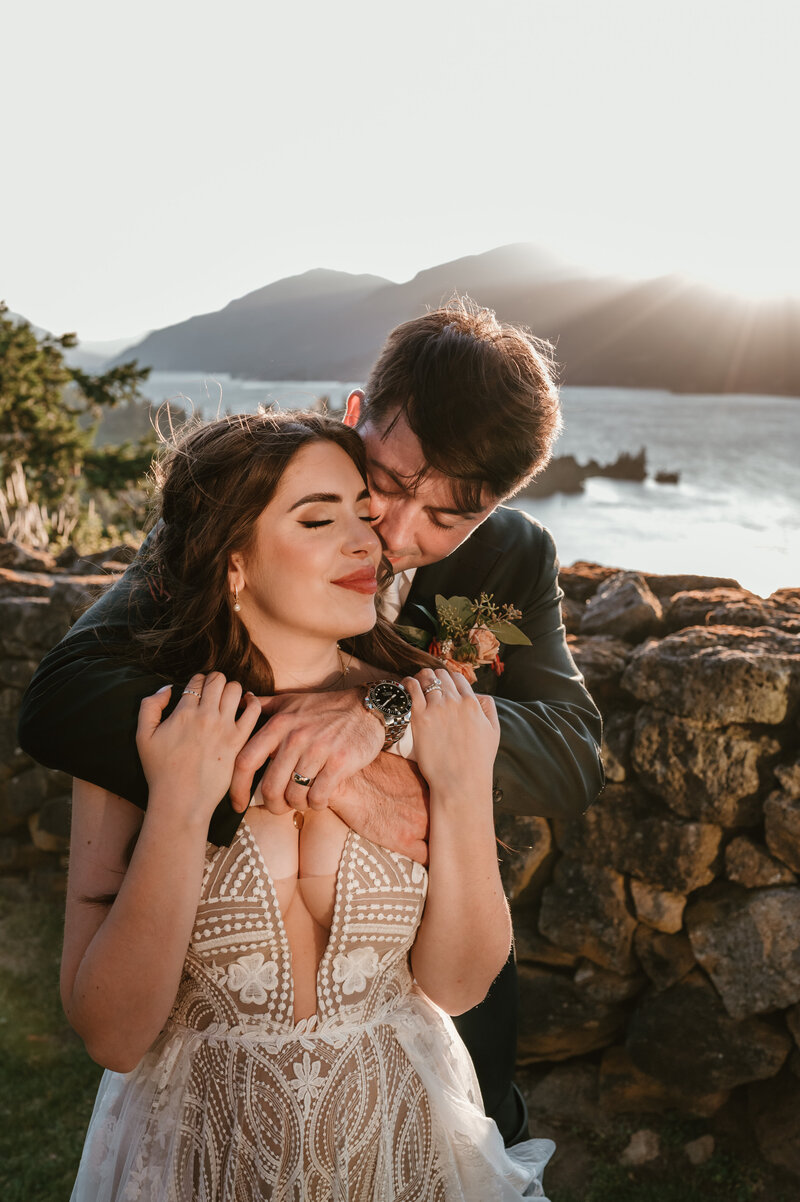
{"points": [[507, 632], [461, 607]]}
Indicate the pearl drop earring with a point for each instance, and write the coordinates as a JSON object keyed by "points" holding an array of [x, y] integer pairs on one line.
{"points": [[236, 606]]}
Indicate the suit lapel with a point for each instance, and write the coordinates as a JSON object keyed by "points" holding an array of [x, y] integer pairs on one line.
{"points": [[462, 574]]}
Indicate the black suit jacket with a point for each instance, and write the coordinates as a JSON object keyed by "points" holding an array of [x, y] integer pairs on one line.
{"points": [[549, 761], [80, 711]]}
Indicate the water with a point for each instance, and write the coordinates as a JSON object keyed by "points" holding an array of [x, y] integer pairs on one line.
{"points": [[735, 512], [209, 396]]}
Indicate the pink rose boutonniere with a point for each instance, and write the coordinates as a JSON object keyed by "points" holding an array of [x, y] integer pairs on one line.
{"points": [[467, 634]]}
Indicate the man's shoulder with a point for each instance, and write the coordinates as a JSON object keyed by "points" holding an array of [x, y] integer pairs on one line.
{"points": [[509, 529]]}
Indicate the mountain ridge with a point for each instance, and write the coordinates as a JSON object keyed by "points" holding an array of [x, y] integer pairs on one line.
{"points": [[667, 332]]}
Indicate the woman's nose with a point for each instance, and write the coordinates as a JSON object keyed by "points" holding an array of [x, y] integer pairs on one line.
{"points": [[362, 539]]}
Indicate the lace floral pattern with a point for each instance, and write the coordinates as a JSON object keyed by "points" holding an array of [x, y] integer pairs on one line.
{"points": [[253, 978], [353, 969], [235, 1102]]}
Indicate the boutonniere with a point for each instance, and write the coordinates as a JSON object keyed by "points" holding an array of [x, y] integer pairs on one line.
{"points": [[466, 634]]}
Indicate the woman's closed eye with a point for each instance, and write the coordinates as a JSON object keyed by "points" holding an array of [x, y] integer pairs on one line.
{"points": [[313, 524]]}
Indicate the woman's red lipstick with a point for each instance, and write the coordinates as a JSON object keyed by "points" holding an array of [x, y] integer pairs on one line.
{"points": [[362, 581]]}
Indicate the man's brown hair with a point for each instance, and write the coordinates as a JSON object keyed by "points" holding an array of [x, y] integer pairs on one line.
{"points": [[479, 394]]}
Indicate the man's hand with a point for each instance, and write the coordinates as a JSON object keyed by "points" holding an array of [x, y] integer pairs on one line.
{"points": [[387, 803], [326, 737]]}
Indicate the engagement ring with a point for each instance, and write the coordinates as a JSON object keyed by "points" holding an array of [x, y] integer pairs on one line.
{"points": [[437, 684], [194, 693]]}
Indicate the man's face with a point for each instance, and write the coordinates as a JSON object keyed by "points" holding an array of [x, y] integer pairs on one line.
{"points": [[417, 523]]}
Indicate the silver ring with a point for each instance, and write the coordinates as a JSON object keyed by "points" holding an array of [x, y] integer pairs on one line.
{"points": [[305, 781], [194, 693], [431, 688]]}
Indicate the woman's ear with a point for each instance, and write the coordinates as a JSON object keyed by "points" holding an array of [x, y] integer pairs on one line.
{"points": [[236, 578]]}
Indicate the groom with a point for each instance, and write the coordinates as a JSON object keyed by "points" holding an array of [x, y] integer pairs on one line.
{"points": [[459, 411]]}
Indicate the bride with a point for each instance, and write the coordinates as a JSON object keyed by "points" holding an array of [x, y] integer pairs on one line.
{"points": [[273, 1015]]}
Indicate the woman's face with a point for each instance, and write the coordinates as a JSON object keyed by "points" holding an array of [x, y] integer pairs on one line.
{"points": [[311, 566]]}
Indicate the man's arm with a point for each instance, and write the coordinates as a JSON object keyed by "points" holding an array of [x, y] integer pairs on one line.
{"points": [[549, 758]]}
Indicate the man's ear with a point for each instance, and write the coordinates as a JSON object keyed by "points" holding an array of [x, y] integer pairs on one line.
{"points": [[353, 410]]}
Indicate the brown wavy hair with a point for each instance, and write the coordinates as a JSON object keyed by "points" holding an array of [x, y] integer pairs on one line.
{"points": [[213, 483], [481, 396]]}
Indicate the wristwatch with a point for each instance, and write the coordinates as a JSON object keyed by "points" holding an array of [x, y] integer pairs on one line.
{"points": [[391, 702]]}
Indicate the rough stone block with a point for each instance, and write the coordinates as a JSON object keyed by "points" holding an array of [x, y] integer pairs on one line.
{"points": [[601, 659], [773, 1108], [691, 607], [568, 1093], [17, 673], [699, 1151], [788, 775], [529, 844], [666, 959], [632, 833], [749, 944], [14, 583], [625, 1089], [581, 580], [719, 675], [617, 738], [558, 1020], [709, 775], [532, 947], [29, 626], [584, 910], [23, 794], [659, 908], [571, 614], [625, 607], [749, 864], [606, 986], [25, 559], [685, 1038], [793, 1022], [44, 839], [782, 828], [667, 585], [643, 1146]]}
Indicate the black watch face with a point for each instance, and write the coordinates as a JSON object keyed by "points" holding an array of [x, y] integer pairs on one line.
{"points": [[392, 699]]}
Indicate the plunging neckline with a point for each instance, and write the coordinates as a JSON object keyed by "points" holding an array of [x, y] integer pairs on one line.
{"points": [[333, 933]]}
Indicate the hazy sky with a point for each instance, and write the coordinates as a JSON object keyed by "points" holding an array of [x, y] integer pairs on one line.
{"points": [[163, 158]]}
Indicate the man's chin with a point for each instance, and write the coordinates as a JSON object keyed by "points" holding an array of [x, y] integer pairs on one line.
{"points": [[402, 563]]}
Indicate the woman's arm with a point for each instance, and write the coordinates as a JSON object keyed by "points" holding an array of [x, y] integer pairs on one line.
{"points": [[465, 933], [122, 963]]}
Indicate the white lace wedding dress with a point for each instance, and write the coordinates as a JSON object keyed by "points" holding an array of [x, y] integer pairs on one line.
{"points": [[374, 1098]]}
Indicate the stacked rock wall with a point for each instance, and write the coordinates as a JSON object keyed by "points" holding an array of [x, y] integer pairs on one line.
{"points": [[658, 936], [40, 598]]}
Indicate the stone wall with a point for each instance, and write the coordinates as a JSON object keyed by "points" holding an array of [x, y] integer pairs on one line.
{"points": [[658, 936], [40, 597]]}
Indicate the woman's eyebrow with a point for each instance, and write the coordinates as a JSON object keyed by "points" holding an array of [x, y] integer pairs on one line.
{"points": [[331, 497]]}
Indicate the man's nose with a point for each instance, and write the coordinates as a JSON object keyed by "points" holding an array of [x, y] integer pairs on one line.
{"points": [[394, 526]]}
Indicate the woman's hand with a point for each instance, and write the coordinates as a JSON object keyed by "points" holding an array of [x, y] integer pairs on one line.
{"points": [[191, 754], [456, 732]]}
